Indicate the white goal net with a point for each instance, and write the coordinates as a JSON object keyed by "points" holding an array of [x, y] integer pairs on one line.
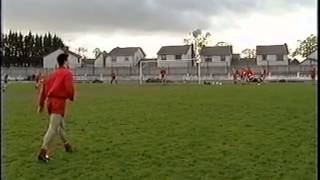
{"points": [[182, 70]]}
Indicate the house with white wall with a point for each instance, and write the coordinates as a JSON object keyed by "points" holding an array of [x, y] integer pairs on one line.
{"points": [[124, 57], [101, 60], [272, 55], [179, 54], [309, 62], [215, 56], [50, 60], [313, 55]]}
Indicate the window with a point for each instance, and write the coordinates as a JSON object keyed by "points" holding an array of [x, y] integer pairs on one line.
{"points": [[126, 58], [208, 59], [264, 57], [163, 57], [178, 56], [223, 58], [279, 57], [113, 59]]}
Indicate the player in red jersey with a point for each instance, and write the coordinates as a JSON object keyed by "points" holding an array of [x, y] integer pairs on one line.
{"points": [[56, 90], [236, 75], [243, 75]]}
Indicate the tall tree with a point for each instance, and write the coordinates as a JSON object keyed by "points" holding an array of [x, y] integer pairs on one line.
{"points": [[249, 53], [81, 51], [198, 39], [306, 47], [29, 48], [96, 52]]}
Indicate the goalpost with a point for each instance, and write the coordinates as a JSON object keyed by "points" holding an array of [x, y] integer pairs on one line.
{"points": [[180, 67]]}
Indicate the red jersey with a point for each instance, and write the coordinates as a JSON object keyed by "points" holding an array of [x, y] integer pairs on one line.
{"points": [[249, 73], [57, 88], [243, 73], [163, 73]]}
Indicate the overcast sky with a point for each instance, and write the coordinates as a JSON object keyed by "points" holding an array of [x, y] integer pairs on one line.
{"points": [[153, 23]]}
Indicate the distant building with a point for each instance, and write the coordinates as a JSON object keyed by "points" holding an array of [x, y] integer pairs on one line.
{"points": [[122, 57], [294, 62], [313, 55], [88, 62], [50, 60], [272, 55], [310, 62], [101, 60], [149, 62], [239, 63], [168, 53], [216, 56]]}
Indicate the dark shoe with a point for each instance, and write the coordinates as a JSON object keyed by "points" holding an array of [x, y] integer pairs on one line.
{"points": [[68, 147], [43, 155]]}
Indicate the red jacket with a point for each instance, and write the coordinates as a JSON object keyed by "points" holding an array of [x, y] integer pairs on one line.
{"points": [[57, 88]]}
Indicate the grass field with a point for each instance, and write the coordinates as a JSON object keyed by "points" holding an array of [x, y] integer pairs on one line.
{"points": [[169, 132]]}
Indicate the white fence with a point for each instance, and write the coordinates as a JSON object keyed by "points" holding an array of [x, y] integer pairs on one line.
{"points": [[174, 73]]}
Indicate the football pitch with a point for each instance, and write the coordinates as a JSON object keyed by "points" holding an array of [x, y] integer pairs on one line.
{"points": [[168, 132]]}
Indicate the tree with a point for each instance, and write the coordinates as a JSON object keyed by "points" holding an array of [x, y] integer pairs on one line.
{"points": [[249, 53], [306, 47], [28, 49], [223, 44], [81, 51], [198, 39], [96, 52]]}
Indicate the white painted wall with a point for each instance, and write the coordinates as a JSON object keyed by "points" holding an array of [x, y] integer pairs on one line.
{"points": [[50, 61], [309, 62], [99, 61], [122, 62], [314, 55], [216, 61], [165, 63], [137, 57], [272, 59]]}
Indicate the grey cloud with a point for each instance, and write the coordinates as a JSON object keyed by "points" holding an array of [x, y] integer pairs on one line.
{"points": [[107, 16]]}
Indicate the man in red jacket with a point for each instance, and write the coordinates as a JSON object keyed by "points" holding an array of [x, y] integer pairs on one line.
{"points": [[57, 88]]}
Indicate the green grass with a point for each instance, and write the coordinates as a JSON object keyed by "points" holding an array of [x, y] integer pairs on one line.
{"points": [[169, 132]]}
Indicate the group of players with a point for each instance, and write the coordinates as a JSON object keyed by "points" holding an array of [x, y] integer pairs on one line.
{"points": [[245, 76], [240, 76], [57, 87]]}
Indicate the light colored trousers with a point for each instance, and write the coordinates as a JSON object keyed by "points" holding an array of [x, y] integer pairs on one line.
{"points": [[56, 127]]}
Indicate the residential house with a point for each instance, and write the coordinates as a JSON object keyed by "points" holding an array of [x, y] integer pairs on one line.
{"points": [[216, 56], [88, 62], [174, 56], [313, 55], [50, 60], [239, 63], [124, 57], [272, 55], [101, 60], [294, 62], [149, 62], [309, 62]]}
